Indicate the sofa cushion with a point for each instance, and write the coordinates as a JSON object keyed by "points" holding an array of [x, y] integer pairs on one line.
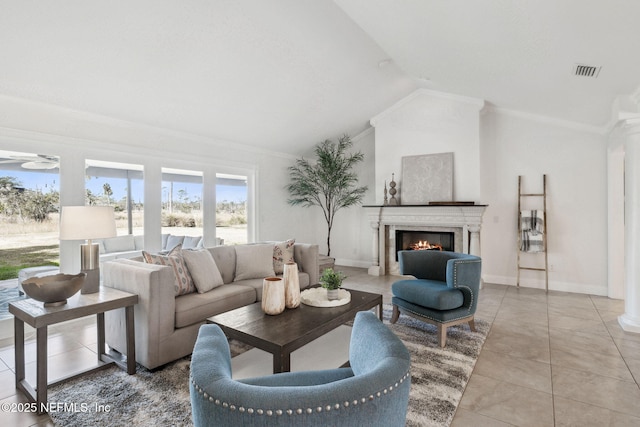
{"points": [[173, 241], [203, 269], [195, 308], [139, 242], [120, 244], [254, 261], [190, 242], [174, 259], [282, 254]]}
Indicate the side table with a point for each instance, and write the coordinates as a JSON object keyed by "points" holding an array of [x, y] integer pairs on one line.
{"points": [[80, 305]]}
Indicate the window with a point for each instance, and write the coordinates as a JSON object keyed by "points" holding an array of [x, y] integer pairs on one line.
{"points": [[231, 209], [181, 202], [29, 209], [119, 185]]}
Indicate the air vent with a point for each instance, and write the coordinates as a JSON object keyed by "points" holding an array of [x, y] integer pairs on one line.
{"points": [[586, 70]]}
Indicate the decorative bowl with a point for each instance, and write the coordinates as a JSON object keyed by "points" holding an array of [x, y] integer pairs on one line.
{"points": [[53, 290]]}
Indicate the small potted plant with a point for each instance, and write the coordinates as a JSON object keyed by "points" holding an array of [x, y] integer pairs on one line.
{"points": [[331, 281]]}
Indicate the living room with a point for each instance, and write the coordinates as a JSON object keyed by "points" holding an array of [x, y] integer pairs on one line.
{"points": [[246, 89]]}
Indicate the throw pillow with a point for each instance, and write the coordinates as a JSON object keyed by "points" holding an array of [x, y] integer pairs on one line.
{"points": [[173, 241], [184, 283], [203, 269], [282, 254], [254, 261]]}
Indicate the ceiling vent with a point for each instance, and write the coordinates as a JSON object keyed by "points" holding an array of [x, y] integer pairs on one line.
{"points": [[586, 70]]}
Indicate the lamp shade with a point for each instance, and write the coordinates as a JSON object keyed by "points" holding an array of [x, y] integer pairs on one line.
{"points": [[87, 222]]}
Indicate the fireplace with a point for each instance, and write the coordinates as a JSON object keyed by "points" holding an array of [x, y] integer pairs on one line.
{"points": [[461, 221], [407, 240]]}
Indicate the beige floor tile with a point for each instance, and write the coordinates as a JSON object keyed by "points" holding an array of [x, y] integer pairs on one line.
{"points": [[634, 367], [590, 388], [565, 299], [607, 365], [64, 364], [616, 331], [628, 348], [508, 403], [577, 324], [464, 418], [520, 346], [7, 384], [523, 317], [513, 370], [56, 344], [578, 312], [608, 304], [608, 316], [519, 328], [569, 413], [581, 341]]}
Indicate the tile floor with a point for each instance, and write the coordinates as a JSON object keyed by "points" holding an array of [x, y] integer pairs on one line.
{"points": [[556, 359]]}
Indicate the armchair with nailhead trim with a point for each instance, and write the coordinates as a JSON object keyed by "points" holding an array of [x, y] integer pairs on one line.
{"points": [[443, 292], [373, 391]]}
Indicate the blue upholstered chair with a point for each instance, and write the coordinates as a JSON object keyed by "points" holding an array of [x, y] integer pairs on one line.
{"points": [[374, 391], [444, 291]]}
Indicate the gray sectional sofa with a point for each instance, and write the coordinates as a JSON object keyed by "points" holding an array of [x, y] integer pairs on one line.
{"points": [[167, 325]]}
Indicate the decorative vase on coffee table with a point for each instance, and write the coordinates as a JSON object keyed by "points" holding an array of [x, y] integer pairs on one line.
{"points": [[332, 294], [273, 301], [291, 285]]}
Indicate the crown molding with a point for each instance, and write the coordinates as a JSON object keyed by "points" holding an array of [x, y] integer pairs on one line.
{"points": [[475, 102], [600, 130]]}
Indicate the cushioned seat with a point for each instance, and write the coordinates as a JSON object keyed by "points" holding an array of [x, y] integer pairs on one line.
{"points": [[428, 293], [444, 291], [373, 391]]}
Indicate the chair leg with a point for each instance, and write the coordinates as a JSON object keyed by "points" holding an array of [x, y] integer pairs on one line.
{"points": [[395, 315], [442, 335], [472, 325]]}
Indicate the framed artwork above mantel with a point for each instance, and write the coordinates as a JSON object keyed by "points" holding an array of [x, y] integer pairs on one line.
{"points": [[427, 178]]}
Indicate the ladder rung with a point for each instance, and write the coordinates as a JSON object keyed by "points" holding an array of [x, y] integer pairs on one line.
{"points": [[531, 268], [532, 194]]}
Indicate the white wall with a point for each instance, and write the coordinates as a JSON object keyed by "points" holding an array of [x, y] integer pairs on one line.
{"points": [[428, 122], [490, 150], [575, 161]]}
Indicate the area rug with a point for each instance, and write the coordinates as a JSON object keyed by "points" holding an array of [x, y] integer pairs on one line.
{"points": [[113, 398]]}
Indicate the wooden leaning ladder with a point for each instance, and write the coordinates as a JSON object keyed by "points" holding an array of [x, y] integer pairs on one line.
{"points": [[544, 235]]}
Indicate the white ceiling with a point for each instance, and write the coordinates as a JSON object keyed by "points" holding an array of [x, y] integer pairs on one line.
{"points": [[285, 74]]}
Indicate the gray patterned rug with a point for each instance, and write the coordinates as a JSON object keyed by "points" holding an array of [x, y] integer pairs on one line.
{"points": [[113, 398]]}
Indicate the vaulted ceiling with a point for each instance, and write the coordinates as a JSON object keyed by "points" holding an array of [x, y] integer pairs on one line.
{"points": [[285, 74]]}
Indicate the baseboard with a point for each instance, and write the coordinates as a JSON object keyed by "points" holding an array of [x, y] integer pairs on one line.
{"points": [[353, 263], [578, 288]]}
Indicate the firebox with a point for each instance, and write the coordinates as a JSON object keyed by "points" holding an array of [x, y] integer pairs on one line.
{"points": [[407, 240]]}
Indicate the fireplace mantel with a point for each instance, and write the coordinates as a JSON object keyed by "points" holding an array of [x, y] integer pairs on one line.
{"points": [[465, 219]]}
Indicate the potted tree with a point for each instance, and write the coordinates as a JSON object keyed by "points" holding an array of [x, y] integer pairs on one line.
{"points": [[332, 281], [329, 183]]}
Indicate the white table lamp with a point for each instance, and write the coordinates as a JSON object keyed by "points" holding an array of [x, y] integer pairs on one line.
{"points": [[88, 223]]}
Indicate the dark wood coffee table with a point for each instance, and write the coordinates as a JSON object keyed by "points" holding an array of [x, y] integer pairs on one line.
{"points": [[282, 334]]}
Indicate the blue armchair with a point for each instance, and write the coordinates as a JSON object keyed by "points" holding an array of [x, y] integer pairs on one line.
{"points": [[373, 391], [444, 291]]}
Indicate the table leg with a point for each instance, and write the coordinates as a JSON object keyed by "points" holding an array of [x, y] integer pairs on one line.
{"points": [[131, 340], [281, 363], [380, 311], [41, 367], [101, 336], [18, 333]]}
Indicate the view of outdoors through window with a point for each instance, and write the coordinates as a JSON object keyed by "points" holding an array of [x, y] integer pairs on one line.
{"points": [[181, 202], [231, 208], [30, 200], [120, 186], [29, 206]]}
